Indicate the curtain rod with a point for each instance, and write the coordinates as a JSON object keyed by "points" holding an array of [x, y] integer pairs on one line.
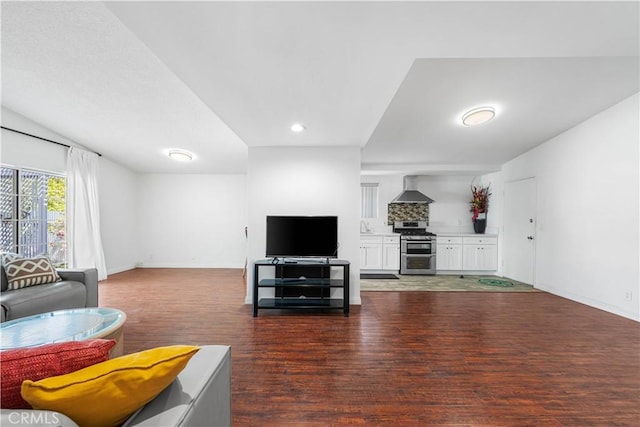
{"points": [[44, 139]]}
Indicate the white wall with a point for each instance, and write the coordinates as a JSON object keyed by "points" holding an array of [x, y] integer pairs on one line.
{"points": [[24, 151], [116, 192], [306, 181], [118, 204], [587, 236], [152, 220], [191, 221], [452, 193], [389, 186]]}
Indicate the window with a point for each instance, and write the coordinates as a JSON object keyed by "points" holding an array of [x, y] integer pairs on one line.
{"points": [[32, 211], [369, 200]]}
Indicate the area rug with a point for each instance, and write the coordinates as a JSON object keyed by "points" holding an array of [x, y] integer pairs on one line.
{"points": [[378, 276], [443, 283], [496, 282]]}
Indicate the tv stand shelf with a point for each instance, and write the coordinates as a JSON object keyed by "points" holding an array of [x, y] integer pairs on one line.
{"points": [[301, 285]]}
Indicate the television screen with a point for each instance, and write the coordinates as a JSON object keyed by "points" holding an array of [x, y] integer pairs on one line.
{"points": [[302, 236]]}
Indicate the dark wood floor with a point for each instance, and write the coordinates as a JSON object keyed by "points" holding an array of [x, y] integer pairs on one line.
{"points": [[402, 358]]}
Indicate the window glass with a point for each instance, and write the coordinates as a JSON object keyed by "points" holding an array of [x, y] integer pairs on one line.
{"points": [[32, 212], [369, 200]]}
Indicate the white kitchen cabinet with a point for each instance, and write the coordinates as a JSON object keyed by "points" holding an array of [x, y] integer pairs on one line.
{"points": [[480, 253], [371, 253], [391, 253], [379, 252], [466, 253], [449, 253]]}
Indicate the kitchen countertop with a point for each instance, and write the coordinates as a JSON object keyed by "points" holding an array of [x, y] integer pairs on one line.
{"points": [[465, 235], [451, 234]]}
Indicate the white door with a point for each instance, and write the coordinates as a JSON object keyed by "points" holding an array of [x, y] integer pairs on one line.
{"points": [[519, 230]]}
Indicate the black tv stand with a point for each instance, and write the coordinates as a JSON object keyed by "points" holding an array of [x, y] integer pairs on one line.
{"points": [[303, 284]]}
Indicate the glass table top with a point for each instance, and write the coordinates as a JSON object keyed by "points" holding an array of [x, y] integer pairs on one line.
{"points": [[58, 326]]}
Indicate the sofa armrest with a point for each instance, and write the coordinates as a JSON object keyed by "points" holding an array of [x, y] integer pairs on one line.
{"points": [[87, 276], [34, 418], [199, 396]]}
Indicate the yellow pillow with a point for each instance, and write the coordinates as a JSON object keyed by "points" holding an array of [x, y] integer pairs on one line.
{"points": [[107, 393]]}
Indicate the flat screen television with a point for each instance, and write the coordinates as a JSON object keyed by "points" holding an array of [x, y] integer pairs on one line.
{"points": [[302, 236]]}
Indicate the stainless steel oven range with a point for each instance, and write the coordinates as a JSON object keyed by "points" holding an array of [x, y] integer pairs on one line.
{"points": [[417, 247]]}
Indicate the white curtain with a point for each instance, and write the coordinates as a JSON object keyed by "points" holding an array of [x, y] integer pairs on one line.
{"points": [[84, 244], [368, 200]]}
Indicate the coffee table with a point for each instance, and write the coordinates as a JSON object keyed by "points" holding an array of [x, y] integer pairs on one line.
{"points": [[76, 324]]}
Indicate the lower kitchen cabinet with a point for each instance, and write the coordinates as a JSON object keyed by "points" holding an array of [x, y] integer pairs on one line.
{"points": [[449, 257], [370, 255], [480, 253], [391, 253], [379, 252], [480, 257], [467, 253]]}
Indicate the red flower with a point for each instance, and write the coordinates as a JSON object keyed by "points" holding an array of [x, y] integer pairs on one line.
{"points": [[479, 200]]}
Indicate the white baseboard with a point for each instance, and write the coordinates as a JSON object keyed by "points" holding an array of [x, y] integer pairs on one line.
{"points": [[120, 269], [591, 303], [183, 265]]}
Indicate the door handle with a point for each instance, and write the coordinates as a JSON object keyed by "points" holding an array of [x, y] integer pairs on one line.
{"points": [[530, 237]]}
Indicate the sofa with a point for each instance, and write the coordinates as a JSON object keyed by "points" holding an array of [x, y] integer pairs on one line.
{"points": [[199, 396], [77, 289]]}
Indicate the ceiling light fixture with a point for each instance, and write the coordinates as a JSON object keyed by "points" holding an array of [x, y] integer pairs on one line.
{"points": [[180, 155], [297, 127], [478, 116]]}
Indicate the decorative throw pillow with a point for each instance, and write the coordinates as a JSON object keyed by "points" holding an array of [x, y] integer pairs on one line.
{"points": [[6, 257], [25, 272], [46, 361], [107, 393]]}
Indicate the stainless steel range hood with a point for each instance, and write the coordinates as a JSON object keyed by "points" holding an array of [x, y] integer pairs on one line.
{"points": [[410, 193]]}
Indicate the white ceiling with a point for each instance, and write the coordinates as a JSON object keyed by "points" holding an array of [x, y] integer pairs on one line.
{"points": [[133, 79]]}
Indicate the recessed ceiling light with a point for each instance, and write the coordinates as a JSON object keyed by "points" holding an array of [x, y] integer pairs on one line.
{"points": [[297, 127], [180, 155], [477, 116]]}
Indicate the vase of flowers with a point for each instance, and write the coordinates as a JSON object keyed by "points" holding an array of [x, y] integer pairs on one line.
{"points": [[479, 207]]}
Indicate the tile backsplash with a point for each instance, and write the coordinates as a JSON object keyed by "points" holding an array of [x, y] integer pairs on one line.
{"points": [[407, 212]]}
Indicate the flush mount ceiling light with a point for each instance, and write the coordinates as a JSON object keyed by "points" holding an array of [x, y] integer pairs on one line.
{"points": [[180, 155], [297, 127], [478, 116]]}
